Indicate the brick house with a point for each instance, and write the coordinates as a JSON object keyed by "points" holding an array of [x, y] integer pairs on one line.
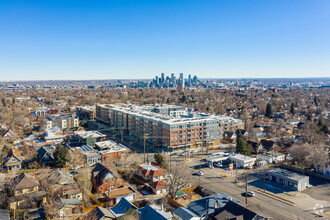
{"points": [[151, 172], [103, 179]]}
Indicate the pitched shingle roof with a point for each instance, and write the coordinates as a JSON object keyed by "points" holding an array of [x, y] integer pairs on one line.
{"points": [[151, 169], [158, 184], [23, 181]]}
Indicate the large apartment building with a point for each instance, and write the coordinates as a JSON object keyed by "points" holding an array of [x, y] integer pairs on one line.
{"points": [[103, 113], [61, 121], [167, 125]]}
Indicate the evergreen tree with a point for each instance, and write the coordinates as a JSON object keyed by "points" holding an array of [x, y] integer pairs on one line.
{"points": [[242, 146], [159, 158], [3, 102], [269, 111], [315, 101], [325, 129], [320, 123], [184, 98], [61, 156], [292, 109], [13, 100]]}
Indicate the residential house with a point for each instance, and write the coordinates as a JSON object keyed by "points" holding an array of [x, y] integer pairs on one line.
{"points": [[229, 137], [6, 135], [116, 195], [268, 145], [159, 187], [151, 172], [210, 204], [124, 207], [233, 210], [68, 207], [271, 157], [103, 179], [151, 212], [25, 188], [63, 184], [100, 213], [13, 161], [182, 213], [254, 146], [257, 132], [45, 156]]}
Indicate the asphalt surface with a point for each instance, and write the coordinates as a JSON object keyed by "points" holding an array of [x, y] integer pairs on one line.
{"points": [[260, 203]]}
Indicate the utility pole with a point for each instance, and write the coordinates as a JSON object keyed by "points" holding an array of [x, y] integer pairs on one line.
{"points": [[264, 182], [144, 144], [236, 173], [246, 189]]}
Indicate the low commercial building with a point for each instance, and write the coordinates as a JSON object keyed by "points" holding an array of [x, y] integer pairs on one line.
{"points": [[110, 150], [242, 160], [90, 137], [90, 154], [271, 157], [289, 179]]}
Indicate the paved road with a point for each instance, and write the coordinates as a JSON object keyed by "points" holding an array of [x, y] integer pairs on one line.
{"points": [[260, 203]]}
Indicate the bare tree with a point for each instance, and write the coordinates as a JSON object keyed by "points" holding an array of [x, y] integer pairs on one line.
{"points": [[299, 154], [319, 157], [76, 158], [179, 178], [129, 164], [85, 183]]}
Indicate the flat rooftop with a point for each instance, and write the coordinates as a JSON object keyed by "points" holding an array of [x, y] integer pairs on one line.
{"points": [[288, 174], [139, 111], [241, 157], [147, 166], [89, 134], [110, 146]]}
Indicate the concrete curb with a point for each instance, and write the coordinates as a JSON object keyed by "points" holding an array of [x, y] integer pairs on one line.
{"points": [[276, 197]]}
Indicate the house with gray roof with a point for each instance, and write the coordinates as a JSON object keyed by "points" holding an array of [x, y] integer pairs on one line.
{"points": [[152, 212], [182, 213], [208, 205]]}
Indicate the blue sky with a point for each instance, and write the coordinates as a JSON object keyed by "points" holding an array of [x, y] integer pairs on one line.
{"points": [[117, 39]]}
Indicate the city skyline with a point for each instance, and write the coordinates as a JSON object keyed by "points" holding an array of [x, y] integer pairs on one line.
{"points": [[67, 40]]}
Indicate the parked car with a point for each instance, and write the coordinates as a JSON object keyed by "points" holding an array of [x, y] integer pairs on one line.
{"points": [[250, 193], [200, 173], [218, 165], [174, 154]]}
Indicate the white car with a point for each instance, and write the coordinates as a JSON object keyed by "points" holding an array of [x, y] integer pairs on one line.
{"points": [[218, 165], [200, 173], [250, 193]]}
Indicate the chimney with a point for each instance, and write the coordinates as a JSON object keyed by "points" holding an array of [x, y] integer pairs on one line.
{"points": [[162, 207]]}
